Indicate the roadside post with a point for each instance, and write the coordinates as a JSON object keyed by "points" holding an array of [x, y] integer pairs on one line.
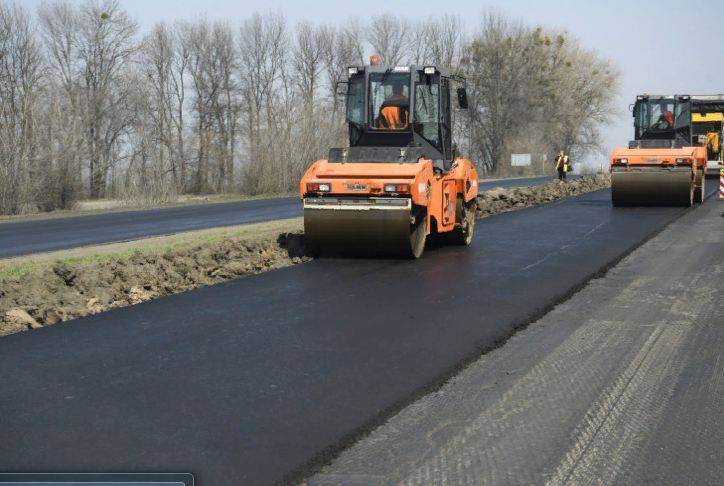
{"points": [[721, 183]]}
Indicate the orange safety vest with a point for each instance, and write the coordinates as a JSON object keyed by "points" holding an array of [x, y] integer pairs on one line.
{"points": [[395, 117]]}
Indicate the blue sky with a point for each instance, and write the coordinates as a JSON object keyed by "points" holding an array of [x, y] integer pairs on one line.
{"points": [[660, 46]]}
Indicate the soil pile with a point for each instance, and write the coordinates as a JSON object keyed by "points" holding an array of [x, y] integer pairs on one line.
{"points": [[500, 200], [66, 291]]}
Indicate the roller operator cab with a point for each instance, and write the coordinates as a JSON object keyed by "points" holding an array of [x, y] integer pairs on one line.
{"points": [[662, 165], [400, 179]]}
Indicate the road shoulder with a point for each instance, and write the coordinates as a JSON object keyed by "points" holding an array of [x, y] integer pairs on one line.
{"points": [[620, 383]]}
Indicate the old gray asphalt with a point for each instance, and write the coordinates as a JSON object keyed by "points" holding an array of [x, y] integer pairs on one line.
{"points": [[248, 381], [621, 384], [26, 237]]}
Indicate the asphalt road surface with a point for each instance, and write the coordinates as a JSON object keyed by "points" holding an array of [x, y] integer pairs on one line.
{"points": [[255, 379], [621, 384], [34, 236], [26, 237]]}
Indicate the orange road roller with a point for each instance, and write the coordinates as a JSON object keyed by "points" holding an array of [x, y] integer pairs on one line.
{"points": [[664, 165], [400, 179]]}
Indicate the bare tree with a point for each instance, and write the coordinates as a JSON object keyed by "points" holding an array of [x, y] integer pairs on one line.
{"points": [[342, 47], [444, 39], [157, 61], [90, 47], [263, 46], [197, 37], [307, 54], [105, 46], [389, 36], [225, 105], [419, 43], [20, 85], [533, 89], [60, 25]]}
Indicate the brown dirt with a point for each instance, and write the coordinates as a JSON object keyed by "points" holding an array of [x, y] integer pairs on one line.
{"points": [[65, 291], [53, 290]]}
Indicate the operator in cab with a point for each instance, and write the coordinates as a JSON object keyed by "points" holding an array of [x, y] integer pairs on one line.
{"points": [[665, 121], [395, 110]]}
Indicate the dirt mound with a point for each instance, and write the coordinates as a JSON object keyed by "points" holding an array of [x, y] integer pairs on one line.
{"points": [[500, 200], [65, 291]]}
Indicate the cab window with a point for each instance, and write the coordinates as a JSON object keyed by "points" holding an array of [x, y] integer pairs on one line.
{"points": [[427, 106], [356, 100], [390, 101]]}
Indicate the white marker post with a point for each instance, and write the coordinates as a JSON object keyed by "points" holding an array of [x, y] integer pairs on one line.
{"points": [[721, 183]]}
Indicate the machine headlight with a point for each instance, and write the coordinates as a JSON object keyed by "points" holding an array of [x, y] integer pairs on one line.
{"points": [[682, 161], [622, 161], [319, 187], [397, 188], [352, 71], [429, 70]]}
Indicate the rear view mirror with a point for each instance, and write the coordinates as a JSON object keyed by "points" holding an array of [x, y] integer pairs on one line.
{"points": [[462, 98]]}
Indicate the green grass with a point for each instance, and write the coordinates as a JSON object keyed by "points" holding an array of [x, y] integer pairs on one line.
{"points": [[16, 271]]}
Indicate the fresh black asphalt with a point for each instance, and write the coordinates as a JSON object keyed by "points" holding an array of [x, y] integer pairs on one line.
{"points": [[248, 381], [34, 236]]}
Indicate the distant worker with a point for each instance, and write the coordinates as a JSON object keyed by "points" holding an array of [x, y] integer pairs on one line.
{"points": [[712, 144], [665, 121], [562, 165], [395, 111]]}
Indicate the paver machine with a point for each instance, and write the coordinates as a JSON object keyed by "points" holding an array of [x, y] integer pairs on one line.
{"points": [[707, 121], [400, 180], [663, 165]]}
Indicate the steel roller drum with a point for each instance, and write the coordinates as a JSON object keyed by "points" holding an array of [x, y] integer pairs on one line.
{"points": [[652, 187], [374, 226]]}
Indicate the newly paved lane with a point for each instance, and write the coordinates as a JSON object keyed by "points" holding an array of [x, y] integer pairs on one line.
{"points": [[244, 382], [26, 237]]}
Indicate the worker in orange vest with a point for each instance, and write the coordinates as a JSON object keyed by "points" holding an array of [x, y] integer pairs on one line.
{"points": [[562, 165], [395, 111]]}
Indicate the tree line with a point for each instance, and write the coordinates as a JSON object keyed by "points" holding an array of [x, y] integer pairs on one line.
{"points": [[91, 107]]}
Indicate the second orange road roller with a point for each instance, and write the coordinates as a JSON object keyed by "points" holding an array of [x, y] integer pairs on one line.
{"points": [[400, 180], [666, 162]]}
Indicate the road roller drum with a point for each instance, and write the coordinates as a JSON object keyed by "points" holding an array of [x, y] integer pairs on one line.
{"points": [[375, 226], [653, 186]]}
